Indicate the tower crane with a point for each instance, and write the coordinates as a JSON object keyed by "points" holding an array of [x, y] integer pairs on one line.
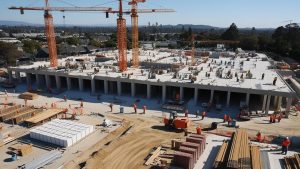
{"points": [[134, 25], [121, 26], [49, 27]]}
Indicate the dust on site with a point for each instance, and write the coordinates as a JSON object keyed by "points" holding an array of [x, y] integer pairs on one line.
{"points": [[145, 108]]}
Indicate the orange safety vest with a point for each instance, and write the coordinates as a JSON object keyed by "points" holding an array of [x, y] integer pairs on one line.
{"points": [[286, 143]]}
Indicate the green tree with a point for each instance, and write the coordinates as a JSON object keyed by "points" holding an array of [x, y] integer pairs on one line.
{"points": [[9, 53], [232, 33], [31, 46], [73, 41], [249, 42]]}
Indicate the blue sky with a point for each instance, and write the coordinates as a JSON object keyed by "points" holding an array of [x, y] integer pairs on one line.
{"points": [[221, 13]]}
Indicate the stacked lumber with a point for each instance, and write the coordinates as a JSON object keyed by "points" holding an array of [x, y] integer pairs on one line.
{"points": [[26, 115], [239, 156], [28, 96], [9, 114], [256, 161], [220, 161], [8, 109], [292, 162]]}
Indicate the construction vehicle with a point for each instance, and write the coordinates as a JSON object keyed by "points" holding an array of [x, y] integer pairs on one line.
{"points": [[176, 122]]}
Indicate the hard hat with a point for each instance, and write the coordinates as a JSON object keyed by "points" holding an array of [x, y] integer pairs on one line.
{"points": [[287, 137]]}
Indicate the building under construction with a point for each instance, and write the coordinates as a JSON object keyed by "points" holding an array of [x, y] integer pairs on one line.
{"points": [[221, 79]]}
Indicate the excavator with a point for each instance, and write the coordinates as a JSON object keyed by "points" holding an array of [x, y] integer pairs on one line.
{"points": [[176, 122]]}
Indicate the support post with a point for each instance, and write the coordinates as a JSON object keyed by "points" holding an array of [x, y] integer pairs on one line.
{"points": [[48, 83], [80, 84], [264, 103], [105, 87], [93, 87], [58, 82], [28, 80], [148, 91], [247, 99], [228, 99], [38, 82], [288, 107], [17, 74], [268, 104], [69, 84], [211, 96], [196, 96], [119, 88], [279, 102], [10, 77], [132, 90], [181, 93], [164, 92]]}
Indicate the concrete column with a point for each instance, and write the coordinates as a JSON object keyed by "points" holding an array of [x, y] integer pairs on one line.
{"points": [[164, 92], [196, 95], [48, 83], [28, 79], [288, 107], [17, 74], [80, 84], [279, 102], [132, 90], [228, 99], [38, 82], [264, 103], [211, 95], [247, 99], [105, 87], [10, 77], [119, 88], [268, 104], [275, 101], [69, 84], [93, 87], [148, 91], [181, 93], [58, 82]]}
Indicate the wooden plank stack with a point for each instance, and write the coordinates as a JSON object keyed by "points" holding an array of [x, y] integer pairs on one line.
{"points": [[292, 162], [189, 152], [256, 161], [238, 154], [221, 161]]}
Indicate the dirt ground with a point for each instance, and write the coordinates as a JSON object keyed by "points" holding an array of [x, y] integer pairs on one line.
{"points": [[128, 150]]}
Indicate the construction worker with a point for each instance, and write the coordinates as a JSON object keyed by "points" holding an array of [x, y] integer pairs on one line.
{"points": [[203, 114], [197, 113], [144, 109], [285, 145], [186, 113], [111, 107], [259, 137], [225, 118], [135, 108], [81, 104], [279, 118], [199, 130], [229, 120], [65, 98]]}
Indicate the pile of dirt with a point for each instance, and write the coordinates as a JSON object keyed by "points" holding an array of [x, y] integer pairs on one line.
{"points": [[128, 150]]}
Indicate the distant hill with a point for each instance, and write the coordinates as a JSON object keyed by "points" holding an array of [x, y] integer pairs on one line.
{"points": [[16, 23]]}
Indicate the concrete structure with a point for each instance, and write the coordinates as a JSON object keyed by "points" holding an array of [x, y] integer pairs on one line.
{"points": [[225, 80]]}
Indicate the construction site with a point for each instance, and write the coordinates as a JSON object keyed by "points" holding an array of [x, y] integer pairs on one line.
{"points": [[140, 108]]}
